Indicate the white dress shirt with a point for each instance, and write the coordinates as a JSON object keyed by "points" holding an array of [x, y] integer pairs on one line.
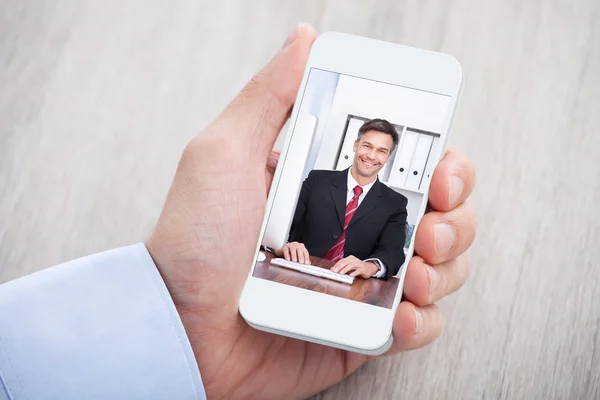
{"points": [[349, 195]]}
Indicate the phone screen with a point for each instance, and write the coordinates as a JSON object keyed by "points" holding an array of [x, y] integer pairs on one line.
{"points": [[352, 187]]}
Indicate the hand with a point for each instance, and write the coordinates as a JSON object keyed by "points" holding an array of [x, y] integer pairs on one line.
{"points": [[356, 267], [217, 202], [294, 251]]}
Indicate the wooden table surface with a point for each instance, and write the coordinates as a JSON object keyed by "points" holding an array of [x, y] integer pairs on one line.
{"points": [[98, 100], [373, 291]]}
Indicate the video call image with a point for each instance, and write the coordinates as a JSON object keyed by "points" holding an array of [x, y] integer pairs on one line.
{"points": [[360, 159]]}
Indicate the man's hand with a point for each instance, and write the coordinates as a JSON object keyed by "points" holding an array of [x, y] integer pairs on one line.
{"points": [[217, 203], [294, 251], [355, 267]]}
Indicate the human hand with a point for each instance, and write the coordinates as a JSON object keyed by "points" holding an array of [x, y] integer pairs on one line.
{"points": [[294, 251], [216, 203], [355, 267]]}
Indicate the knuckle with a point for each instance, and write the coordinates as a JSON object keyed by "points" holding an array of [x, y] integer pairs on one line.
{"points": [[254, 82], [469, 221], [433, 328], [474, 217], [465, 269], [260, 86], [203, 145], [458, 273], [463, 219], [471, 171]]}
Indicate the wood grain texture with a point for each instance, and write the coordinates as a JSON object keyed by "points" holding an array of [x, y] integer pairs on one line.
{"points": [[377, 292], [97, 100]]}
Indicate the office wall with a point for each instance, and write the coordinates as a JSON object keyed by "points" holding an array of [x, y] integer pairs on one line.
{"points": [[370, 99], [317, 100], [314, 110]]}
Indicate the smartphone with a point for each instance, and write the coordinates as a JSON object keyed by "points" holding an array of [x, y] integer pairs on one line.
{"points": [[369, 125]]}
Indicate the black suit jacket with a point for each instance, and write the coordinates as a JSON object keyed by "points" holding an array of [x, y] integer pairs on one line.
{"points": [[377, 229]]}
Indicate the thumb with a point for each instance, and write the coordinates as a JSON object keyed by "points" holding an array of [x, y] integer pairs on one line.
{"points": [[259, 112]]}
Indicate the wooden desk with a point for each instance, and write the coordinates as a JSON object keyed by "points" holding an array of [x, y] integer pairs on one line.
{"points": [[371, 291]]}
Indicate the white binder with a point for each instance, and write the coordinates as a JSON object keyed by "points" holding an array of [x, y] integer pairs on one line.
{"points": [[417, 166], [384, 174], [347, 152], [432, 161], [403, 158]]}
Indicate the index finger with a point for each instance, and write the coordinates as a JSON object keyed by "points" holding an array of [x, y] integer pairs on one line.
{"points": [[452, 182], [306, 256], [339, 265]]}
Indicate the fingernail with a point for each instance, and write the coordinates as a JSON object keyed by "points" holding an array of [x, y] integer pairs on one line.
{"points": [[292, 36], [443, 238], [434, 279], [418, 321], [456, 188]]}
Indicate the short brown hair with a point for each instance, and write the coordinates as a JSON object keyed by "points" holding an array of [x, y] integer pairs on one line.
{"points": [[379, 125]]}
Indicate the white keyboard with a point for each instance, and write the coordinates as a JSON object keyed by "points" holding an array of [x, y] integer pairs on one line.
{"points": [[312, 270]]}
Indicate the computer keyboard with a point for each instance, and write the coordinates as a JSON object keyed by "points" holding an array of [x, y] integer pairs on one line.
{"points": [[312, 270]]}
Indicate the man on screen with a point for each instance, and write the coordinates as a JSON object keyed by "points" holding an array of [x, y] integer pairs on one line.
{"points": [[349, 216]]}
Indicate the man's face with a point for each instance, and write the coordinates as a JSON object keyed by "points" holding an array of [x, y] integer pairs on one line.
{"points": [[371, 152]]}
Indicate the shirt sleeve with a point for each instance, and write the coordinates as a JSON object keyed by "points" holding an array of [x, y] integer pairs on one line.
{"points": [[100, 327], [381, 265]]}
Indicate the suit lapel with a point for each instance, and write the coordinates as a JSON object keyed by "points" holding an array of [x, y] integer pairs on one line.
{"points": [[369, 202], [339, 188]]}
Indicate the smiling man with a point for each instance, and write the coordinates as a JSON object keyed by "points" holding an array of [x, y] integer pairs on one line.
{"points": [[349, 216]]}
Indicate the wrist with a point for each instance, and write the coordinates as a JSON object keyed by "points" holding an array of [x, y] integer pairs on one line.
{"points": [[373, 267]]}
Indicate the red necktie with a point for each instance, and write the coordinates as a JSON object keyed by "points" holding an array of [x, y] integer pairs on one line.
{"points": [[336, 253]]}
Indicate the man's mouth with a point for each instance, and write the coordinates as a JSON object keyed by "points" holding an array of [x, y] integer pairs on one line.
{"points": [[368, 164]]}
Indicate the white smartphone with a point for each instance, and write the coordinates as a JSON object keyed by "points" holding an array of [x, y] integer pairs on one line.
{"points": [[369, 125]]}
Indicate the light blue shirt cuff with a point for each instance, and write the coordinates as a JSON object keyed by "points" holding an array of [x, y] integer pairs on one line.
{"points": [[100, 327]]}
